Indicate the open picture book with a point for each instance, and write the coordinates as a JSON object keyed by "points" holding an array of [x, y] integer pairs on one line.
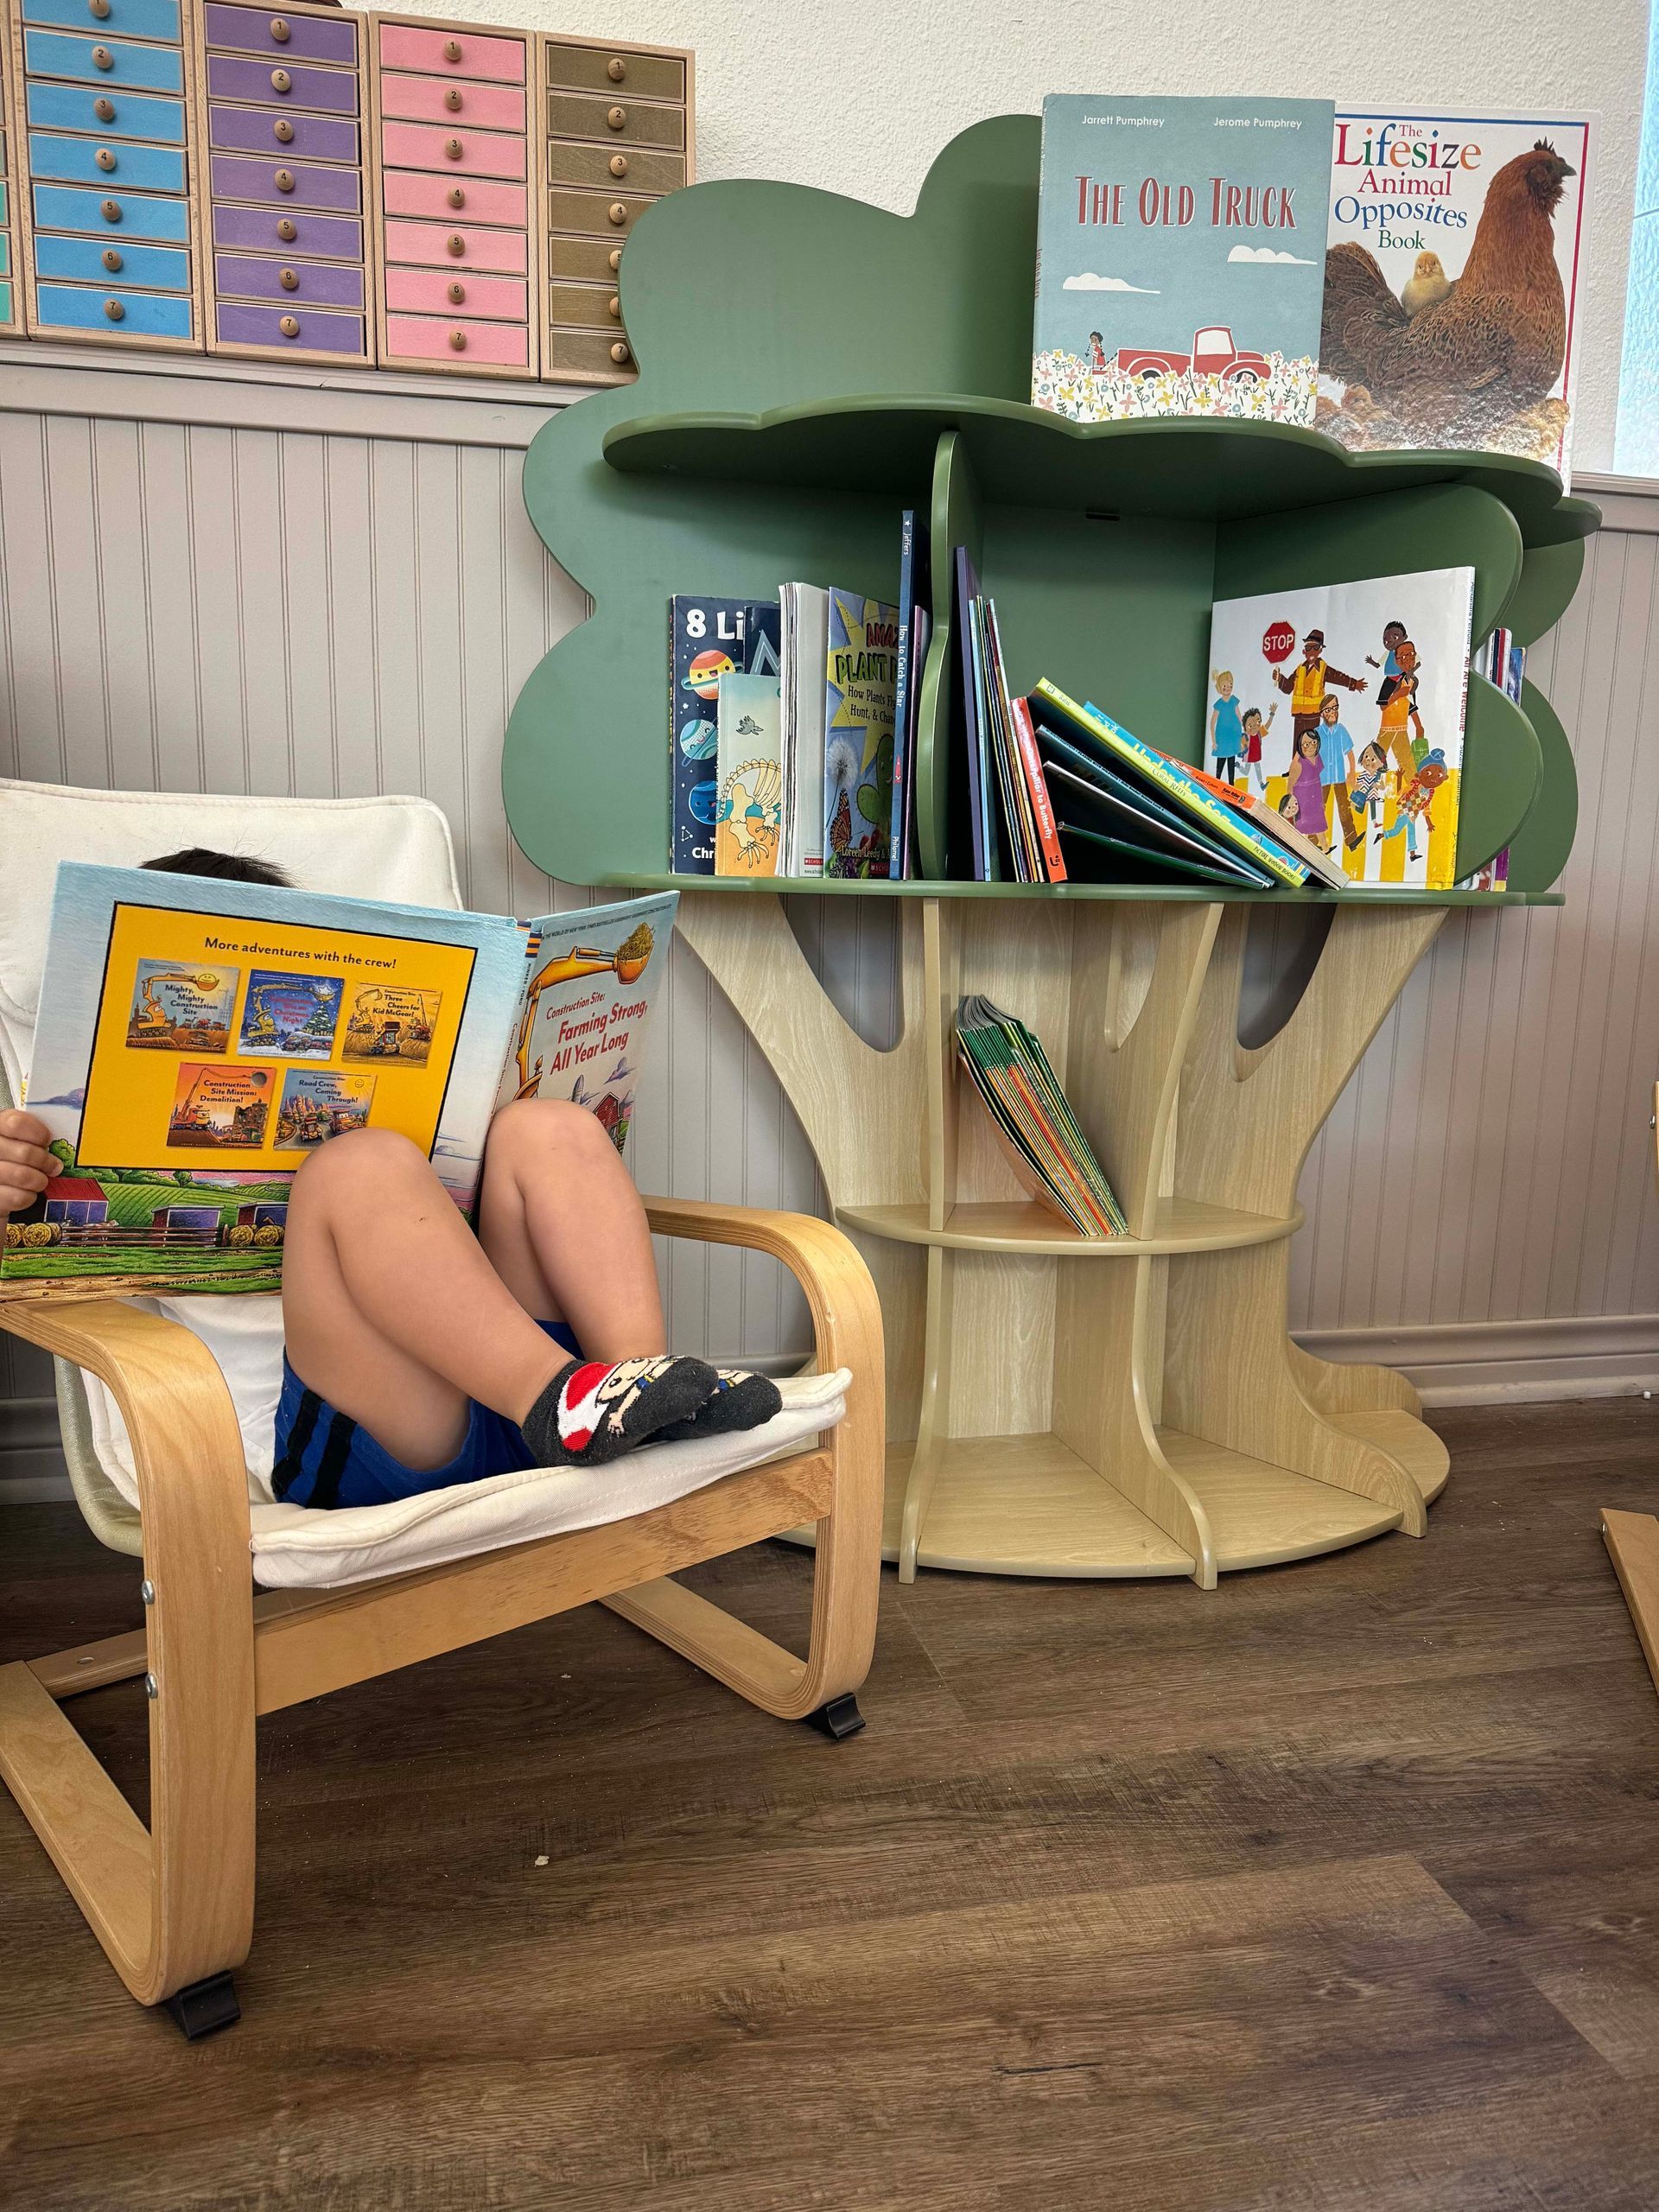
{"points": [[197, 1039]]}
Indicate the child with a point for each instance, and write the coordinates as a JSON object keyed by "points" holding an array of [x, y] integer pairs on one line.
{"points": [[1393, 636], [1096, 354], [1366, 798], [1304, 802], [1255, 730], [1225, 732], [1337, 762], [420, 1354], [1414, 801], [1399, 714]]}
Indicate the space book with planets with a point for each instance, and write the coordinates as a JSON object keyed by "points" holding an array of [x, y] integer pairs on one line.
{"points": [[708, 638], [196, 1037]]}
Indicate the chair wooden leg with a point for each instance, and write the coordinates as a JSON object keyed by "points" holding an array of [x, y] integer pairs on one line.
{"points": [[1633, 1541]]}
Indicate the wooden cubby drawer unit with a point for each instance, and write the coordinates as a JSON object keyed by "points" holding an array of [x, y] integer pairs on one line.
{"points": [[295, 37], [262, 229], [621, 71], [465, 106], [451, 50], [588, 356], [104, 61], [435, 246], [296, 138], [454, 153], [287, 183], [127, 214], [310, 283], [584, 261], [588, 307], [243, 328], [477, 344], [152, 19], [234, 77], [599, 166], [441, 292], [622, 122], [454, 200], [605, 215], [146, 116]]}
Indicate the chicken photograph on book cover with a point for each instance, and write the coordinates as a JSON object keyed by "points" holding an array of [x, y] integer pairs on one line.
{"points": [[1342, 706], [1180, 247], [1452, 280]]}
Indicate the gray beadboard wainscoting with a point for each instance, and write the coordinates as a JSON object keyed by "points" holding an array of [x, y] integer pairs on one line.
{"points": [[264, 580]]}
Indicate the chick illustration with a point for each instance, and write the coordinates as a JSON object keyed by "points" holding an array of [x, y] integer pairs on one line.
{"points": [[1427, 286]]}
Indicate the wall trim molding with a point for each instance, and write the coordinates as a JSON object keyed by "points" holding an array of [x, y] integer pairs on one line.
{"points": [[1627, 503]]}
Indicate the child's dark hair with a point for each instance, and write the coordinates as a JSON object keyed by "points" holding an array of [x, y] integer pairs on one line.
{"points": [[224, 867]]}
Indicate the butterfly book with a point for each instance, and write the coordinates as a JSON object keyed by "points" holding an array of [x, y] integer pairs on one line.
{"points": [[197, 1040]]}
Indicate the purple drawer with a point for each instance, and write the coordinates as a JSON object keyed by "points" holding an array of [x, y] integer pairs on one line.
{"points": [[319, 285], [327, 237], [250, 30], [335, 91], [257, 131], [312, 333], [286, 184]]}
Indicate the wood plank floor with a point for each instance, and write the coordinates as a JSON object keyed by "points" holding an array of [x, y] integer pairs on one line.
{"points": [[1335, 1891]]}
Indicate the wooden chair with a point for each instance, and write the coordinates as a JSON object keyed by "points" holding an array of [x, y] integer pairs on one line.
{"points": [[172, 1905], [1632, 1539]]}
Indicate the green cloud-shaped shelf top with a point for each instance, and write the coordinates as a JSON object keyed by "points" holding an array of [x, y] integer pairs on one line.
{"points": [[810, 365]]}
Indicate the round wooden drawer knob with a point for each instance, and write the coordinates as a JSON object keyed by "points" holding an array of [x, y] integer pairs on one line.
{"points": [[458, 340], [615, 258], [452, 49], [457, 198], [289, 279], [111, 259], [99, 8], [457, 293], [104, 158], [105, 110], [283, 128], [102, 58], [280, 30], [453, 149], [619, 165], [455, 245], [452, 100], [288, 229], [115, 311], [616, 69], [613, 306], [289, 325], [111, 211], [281, 81], [617, 213], [284, 180], [621, 354], [617, 117]]}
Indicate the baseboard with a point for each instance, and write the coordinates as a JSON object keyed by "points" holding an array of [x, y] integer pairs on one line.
{"points": [[32, 1472], [1484, 1362]]}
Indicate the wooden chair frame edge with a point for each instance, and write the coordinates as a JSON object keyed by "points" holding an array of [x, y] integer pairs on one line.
{"points": [[173, 1904]]}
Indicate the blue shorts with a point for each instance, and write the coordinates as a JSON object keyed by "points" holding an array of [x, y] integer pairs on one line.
{"points": [[323, 1459]]}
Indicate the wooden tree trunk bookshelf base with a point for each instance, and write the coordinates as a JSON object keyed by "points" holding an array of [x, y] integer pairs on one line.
{"points": [[1129, 1407]]}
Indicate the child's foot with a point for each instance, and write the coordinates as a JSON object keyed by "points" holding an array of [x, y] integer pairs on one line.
{"points": [[740, 1401], [591, 1413]]}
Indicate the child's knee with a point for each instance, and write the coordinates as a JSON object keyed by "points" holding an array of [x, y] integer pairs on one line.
{"points": [[546, 1129], [355, 1158]]}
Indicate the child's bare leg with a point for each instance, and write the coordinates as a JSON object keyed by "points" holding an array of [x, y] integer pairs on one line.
{"points": [[564, 1228], [391, 1310]]}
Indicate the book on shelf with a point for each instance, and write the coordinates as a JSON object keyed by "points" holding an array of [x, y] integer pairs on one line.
{"points": [[1180, 251], [1348, 701], [748, 828], [706, 637], [914, 630], [1453, 266], [805, 609], [1033, 1123], [1503, 662], [860, 680], [197, 1039]]}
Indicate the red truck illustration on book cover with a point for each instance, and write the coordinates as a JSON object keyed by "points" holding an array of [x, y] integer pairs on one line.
{"points": [[1214, 354]]}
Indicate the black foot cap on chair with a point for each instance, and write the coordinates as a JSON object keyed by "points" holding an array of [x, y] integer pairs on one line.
{"points": [[204, 2007], [838, 1719]]}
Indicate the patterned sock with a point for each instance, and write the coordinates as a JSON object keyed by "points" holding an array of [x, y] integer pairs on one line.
{"points": [[740, 1401], [590, 1412]]}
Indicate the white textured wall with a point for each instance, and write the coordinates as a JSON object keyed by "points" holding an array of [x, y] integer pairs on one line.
{"points": [[859, 97]]}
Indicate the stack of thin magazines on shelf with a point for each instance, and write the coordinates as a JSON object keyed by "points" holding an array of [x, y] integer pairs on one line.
{"points": [[1035, 1125]]}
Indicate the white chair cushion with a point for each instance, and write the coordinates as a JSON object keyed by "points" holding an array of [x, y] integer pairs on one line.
{"points": [[296, 1548]]}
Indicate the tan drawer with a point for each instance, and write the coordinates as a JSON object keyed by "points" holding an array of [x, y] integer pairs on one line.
{"points": [[587, 354], [626, 123], [595, 212], [584, 261], [613, 69], [597, 167], [594, 306]]}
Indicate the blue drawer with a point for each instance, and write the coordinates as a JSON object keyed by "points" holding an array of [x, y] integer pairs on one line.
{"points": [[5, 304], [86, 261], [52, 54], [120, 18], [134, 168], [74, 307], [4, 188], [5, 254], [61, 207], [137, 115]]}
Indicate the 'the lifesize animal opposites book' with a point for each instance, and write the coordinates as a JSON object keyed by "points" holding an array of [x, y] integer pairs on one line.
{"points": [[1180, 253], [1341, 708], [196, 1039], [1453, 274]]}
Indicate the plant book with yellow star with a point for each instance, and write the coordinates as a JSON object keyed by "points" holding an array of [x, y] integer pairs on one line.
{"points": [[861, 697]]}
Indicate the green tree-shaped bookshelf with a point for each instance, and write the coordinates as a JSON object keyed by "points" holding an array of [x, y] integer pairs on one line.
{"points": [[809, 366]]}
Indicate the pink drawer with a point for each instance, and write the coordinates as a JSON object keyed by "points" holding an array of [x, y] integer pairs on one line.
{"points": [[469, 153], [429, 99], [452, 54], [447, 199], [500, 345], [435, 246], [432, 291]]}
